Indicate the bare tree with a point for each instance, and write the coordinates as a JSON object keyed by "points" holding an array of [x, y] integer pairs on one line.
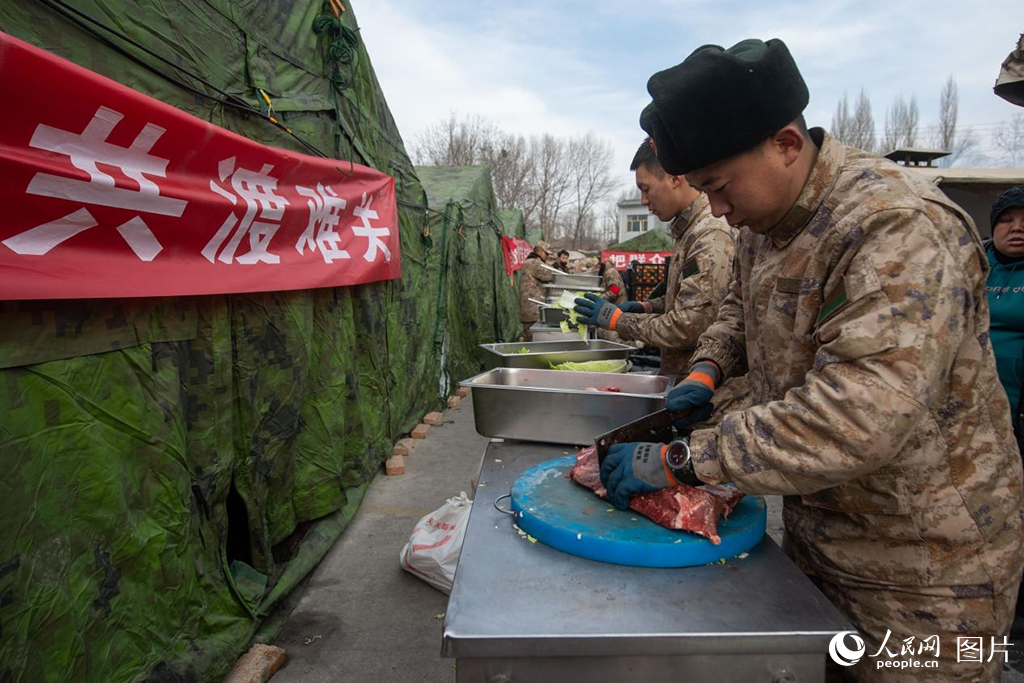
{"points": [[961, 144], [949, 105], [1009, 138], [549, 184], [862, 127], [901, 124], [511, 161], [542, 176], [455, 142], [589, 160], [842, 122]]}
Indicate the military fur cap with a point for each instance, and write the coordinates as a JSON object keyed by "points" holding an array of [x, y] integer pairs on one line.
{"points": [[718, 102]]}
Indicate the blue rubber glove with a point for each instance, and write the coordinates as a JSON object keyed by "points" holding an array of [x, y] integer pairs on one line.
{"points": [[632, 468], [593, 310], [693, 395], [632, 307]]}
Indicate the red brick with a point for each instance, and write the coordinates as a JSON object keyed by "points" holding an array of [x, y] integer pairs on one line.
{"points": [[462, 392], [257, 665], [394, 465], [420, 431], [434, 418], [404, 448], [453, 402]]}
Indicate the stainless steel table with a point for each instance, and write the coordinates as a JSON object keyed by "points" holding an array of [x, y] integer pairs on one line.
{"points": [[521, 611]]}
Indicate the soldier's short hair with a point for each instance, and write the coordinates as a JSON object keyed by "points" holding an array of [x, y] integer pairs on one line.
{"points": [[646, 157]]}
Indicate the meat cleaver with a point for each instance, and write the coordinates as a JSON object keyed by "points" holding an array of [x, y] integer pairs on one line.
{"points": [[656, 427]]}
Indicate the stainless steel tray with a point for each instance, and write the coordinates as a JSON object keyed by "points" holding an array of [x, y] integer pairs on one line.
{"points": [[540, 332], [575, 280], [541, 355], [556, 290], [554, 406]]}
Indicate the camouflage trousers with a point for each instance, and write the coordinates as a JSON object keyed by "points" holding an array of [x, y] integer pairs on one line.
{"points": [[960, 617]]}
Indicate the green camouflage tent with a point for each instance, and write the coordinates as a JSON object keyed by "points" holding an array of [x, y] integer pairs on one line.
{"points": [[655, 239], [513, 224], [482, 303], [173, 468]]}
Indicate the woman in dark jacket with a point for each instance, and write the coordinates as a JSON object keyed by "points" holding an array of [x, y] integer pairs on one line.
{"points": [[1005, 289]]}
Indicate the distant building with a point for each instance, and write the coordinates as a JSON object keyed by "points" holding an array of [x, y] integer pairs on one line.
{"points": [[635, 219], [974, 189]]}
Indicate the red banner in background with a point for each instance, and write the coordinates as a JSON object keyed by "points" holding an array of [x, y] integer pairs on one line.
{"points": [[110, 193], [516, 250], [622, 259]]}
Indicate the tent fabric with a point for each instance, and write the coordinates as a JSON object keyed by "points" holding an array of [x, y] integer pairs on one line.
{"points": [[174, 467], [482, 303], [654, 239]]}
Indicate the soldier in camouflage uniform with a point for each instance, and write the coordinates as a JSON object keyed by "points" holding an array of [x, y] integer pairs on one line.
{"points": [[531, 286], [611, 281], [1010, 83], [698, 276], [858, 305]]}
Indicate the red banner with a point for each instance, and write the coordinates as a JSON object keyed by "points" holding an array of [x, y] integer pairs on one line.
{"points": [[110, 193], [622, 259], [516, 250]]}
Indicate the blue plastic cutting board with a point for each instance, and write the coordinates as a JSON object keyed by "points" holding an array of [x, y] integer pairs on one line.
{"points": [[564, 515]]}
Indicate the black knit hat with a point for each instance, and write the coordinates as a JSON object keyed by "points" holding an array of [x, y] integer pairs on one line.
{"points": [[1009, 199], [718, 102]]}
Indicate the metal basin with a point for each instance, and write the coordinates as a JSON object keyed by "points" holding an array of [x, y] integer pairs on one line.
{"points": [[556, 290], [578, 280], [541, 355], [554, 406], [540, 332]]}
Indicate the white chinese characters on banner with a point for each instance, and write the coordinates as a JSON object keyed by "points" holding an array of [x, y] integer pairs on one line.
{"points": [[86, 150], [256, 190], [325, 208], [258, 207], [364, 229]]}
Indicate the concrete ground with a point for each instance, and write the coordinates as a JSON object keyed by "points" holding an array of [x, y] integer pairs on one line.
{"points": [[362, 618]]}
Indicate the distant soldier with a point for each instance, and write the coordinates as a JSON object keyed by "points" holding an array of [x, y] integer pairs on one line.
{"points": [[698, 277], [611, 281], [534, 276], [562, 263], [858, 305]]}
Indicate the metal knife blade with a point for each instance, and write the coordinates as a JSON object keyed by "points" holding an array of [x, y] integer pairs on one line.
{"points": [[656, 427]]}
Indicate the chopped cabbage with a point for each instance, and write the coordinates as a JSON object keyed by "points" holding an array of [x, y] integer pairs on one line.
{"points": [[617, 365]]}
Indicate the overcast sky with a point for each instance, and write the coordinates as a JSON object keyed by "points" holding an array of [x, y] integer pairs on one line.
{"points": [[566, 66]]}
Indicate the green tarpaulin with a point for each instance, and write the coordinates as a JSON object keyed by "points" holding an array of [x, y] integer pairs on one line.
{"points": [[654, 239], [174, 467]]}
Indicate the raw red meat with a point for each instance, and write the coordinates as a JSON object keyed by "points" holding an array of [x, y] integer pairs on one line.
{"points": [[694, 509]]}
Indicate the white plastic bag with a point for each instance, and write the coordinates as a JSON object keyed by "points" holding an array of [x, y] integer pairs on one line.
{"points": [[432, 552]]}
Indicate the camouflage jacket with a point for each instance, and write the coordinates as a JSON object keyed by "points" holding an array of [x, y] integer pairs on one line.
{"points": [[877, 411], [534, 275], [613, 279], [1010, 83], [698, 280]]}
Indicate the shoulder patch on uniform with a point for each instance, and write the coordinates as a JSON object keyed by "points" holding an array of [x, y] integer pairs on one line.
{"points": [[835, 300], [788, 285], [690, 268]]}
